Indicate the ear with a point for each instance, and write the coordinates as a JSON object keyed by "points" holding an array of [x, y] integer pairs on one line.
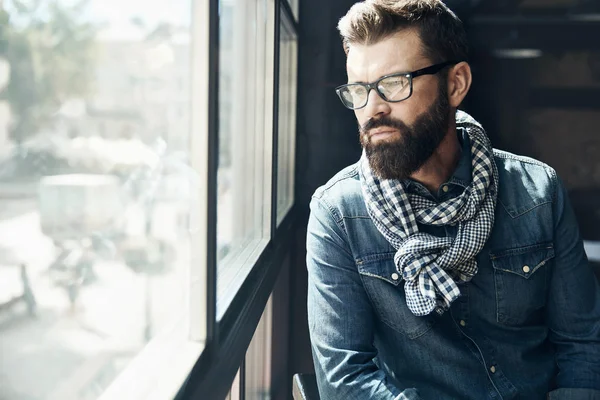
{"points": [[459, 82]]}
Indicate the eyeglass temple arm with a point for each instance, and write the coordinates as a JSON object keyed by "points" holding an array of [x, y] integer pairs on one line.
{"points": [[434, 69]]}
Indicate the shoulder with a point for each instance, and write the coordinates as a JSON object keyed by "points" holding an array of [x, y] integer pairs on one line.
{"points": [[524, 182], [342, 194]]}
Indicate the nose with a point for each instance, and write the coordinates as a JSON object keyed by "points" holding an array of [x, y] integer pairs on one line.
{"points": [[376, 107]]}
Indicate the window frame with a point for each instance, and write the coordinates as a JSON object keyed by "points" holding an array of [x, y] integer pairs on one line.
{"points": [[228, 341], [204, 353], [217, 365], [234, 267]]}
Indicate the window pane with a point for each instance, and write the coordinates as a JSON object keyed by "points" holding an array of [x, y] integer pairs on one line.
{"points": [[287, 118], [95, 189], [234, 393], [258, 358], [294, 4], [245, 109]]}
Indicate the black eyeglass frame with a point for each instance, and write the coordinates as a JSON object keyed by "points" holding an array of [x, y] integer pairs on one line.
{"points": [[431, 70]]}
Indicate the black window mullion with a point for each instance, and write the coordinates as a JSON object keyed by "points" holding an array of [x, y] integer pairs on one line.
{"points": [[243, 379], [211, 339], [213, 165], [275, 151]]}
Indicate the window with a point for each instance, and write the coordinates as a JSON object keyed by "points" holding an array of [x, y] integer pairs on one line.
{"points": [[252, 242], [287, 117], [137, 169], [245, 140], [98, 195]]}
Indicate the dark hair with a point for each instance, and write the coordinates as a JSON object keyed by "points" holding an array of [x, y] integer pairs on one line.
{"points": [[440, 30]]}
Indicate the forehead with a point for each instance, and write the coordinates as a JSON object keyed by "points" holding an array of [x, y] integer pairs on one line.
{"points": [[401, 52]]}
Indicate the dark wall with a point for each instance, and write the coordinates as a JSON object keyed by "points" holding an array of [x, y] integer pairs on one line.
{"points": [[327, 141]]}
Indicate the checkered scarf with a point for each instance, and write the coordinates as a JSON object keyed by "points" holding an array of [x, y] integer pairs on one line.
{"points": [[433, 266]]}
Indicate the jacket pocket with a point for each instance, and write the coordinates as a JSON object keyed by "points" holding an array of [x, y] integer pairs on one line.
{"points": [[520, 277], [385, 288]]}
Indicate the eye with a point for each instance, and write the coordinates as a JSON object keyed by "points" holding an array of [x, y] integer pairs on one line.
{"points": [[353, 95], [357, 90], [394, 87]]}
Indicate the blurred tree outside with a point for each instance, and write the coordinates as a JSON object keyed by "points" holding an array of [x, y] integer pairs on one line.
{"points": [[50, 49]]}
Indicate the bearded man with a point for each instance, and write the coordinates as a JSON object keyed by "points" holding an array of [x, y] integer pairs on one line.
{"points": [[439, 267]]}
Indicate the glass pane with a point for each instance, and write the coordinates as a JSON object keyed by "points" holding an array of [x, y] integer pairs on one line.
{"points": [[258, 358], [287, 119], [234, 393], [95, 189], [244, 138], [294, 4]]}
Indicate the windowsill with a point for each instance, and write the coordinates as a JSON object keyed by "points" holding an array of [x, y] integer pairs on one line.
{"points": [[233, 270], [160, 370]]}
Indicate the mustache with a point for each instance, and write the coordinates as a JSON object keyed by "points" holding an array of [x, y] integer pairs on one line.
{"points": [[384, 121]]}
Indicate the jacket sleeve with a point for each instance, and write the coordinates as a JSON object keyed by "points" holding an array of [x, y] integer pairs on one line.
{"points": [[573, 311], [340, 317]]}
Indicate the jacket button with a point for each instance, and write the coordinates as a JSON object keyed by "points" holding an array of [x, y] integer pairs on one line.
{"points": [[395, 276], [493, 369], [445, 188], [463, 323], [526, 269]]}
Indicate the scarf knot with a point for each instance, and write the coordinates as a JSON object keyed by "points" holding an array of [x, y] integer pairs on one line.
{"points": [[433, 267]]}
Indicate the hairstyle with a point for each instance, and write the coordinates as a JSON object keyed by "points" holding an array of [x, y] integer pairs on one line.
{"points": [[440, 30]]}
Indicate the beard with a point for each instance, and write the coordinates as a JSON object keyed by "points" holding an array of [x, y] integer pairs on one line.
{"points": [[400, 158]]}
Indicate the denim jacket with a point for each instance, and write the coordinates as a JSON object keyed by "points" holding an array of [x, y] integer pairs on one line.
{"points": [[527, 326]]}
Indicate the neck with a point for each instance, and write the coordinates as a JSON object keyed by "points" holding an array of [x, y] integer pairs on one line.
{"points": [[442, 163]]}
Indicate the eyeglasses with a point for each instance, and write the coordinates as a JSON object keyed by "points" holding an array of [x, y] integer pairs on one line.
{"points": [[392, 88]]}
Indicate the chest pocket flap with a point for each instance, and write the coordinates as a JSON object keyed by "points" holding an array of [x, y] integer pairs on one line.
{"points": [[520, 279], [522, 261], [380, 266]]}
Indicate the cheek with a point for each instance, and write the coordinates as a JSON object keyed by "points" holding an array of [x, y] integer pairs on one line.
{"points": [[361, 120], [404, 113], [409, 110], [423, 99]]}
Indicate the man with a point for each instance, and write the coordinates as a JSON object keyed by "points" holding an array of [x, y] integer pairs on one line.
{"points": [[440, 268]]}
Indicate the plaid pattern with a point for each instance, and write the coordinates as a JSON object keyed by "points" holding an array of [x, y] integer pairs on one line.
{"points": [[432, 267]]}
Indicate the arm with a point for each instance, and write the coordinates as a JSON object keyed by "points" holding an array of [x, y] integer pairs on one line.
{"points": [[340, 318], [573, 309]]}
